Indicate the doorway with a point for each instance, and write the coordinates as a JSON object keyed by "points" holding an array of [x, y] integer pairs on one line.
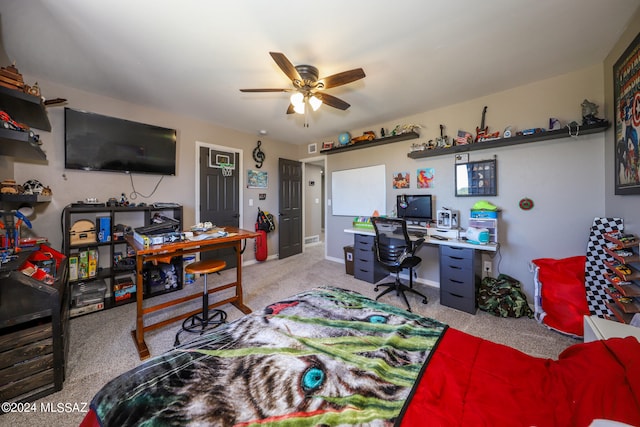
{"points": [[314, 197], [218, 192]]}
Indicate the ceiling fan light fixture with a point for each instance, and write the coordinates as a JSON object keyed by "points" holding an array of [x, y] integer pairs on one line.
{"points": [[298, 101], [299, 108], [315, 102]]}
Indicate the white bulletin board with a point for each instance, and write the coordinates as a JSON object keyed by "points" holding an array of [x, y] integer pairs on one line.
{"points": [[359, 192]]}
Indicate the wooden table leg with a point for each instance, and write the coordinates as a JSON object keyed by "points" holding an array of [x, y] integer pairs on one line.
{"points": [[239, 294], [138, 333]]}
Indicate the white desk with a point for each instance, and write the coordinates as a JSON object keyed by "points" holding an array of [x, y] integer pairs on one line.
{"points": [[430, 240], [460, 266]]}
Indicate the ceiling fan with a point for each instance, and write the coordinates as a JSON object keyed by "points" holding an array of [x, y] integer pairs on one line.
{"points": [[308, 87]]}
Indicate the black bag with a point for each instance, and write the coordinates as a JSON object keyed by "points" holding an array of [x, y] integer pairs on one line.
{"points": [[503, 297], [265, 221]]}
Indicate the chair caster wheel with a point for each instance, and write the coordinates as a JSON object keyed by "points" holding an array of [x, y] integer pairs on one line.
{"points": [[375, 289], [424, 301]]}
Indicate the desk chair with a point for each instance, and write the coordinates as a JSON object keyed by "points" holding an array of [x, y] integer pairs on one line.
{"points": [[396, 251], [199, 322]]}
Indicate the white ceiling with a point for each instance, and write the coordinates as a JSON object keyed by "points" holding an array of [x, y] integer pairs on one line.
{"points": [[191, 57]]}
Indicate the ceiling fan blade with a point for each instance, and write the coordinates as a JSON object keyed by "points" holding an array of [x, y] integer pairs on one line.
{"points": [[343, 78], [265, 90], [285, 65], [290, 109], [332, 101]]}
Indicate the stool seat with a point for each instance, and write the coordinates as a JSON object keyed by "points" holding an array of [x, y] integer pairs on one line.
{"points": [[199, 322], [205, 266]]}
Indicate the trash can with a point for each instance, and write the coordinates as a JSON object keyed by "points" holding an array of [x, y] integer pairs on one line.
{"points": [[348, 259]]}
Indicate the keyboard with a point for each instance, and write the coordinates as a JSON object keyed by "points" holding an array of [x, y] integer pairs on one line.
{"points": [[417, 231]]}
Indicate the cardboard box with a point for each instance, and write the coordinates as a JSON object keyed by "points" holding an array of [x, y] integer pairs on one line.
{"points": [[104, 228], [73, 266], [92, 269], [83, 265]]}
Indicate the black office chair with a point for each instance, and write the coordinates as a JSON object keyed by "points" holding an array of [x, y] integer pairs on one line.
{"points": [[396, 251]]}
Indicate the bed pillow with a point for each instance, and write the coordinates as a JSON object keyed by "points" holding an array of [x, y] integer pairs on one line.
{"points": [[563, 295]]}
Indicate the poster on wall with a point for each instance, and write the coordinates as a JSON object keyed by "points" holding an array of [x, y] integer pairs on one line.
{"points": [[401, 180], [626, 92], [257, 179], [425, 177]]}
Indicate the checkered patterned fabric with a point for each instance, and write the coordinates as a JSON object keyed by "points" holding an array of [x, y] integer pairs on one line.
{"points": [[595, 282]]}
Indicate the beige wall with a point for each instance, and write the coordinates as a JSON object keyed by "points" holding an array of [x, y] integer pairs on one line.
{"points": [[564, 177], [627, 207], [71, 185]]}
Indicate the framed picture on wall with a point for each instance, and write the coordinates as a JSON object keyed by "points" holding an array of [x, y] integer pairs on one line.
{"points": [[626, 100], [476, 178], [257, 179]]}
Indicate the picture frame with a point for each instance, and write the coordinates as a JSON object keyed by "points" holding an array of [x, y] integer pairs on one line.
{"points": [[312, 148], [477, 179], [257, 179], [327, 145], [626, 101]]}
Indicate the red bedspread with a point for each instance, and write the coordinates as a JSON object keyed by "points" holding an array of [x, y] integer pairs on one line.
{"points": [[473, 382]]}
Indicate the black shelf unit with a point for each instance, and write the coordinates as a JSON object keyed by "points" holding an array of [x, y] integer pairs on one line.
{"points": [[107, 270], [514, 140], [373, 143], [27, 109]]}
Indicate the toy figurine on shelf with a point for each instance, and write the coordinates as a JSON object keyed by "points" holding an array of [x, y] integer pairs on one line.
{"points": [[443, 140], [482, 132], [589, 113]]}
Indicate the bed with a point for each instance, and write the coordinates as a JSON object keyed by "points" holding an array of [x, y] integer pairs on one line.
{"points": [[332, 357]]}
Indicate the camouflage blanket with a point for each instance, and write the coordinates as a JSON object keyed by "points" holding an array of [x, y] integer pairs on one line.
{"points": [[327, 357]]}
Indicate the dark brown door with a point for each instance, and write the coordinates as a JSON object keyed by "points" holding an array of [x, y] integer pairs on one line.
{"points": [[290, 215], [219, 197]]}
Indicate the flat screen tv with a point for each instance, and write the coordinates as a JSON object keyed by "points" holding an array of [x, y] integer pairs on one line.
{"points": [[102, 143], [418, 208]]}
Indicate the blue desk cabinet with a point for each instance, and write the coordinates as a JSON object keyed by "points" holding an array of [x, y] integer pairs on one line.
{"points": [[365, 264], [460, 273]]}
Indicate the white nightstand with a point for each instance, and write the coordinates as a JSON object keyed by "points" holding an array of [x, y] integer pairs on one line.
{"points": [[597, 328]]}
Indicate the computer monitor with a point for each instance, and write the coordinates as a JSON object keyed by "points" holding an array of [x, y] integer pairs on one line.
{"points": [[415, 207]]}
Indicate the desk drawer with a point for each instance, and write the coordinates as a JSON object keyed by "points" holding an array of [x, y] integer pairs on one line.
{"points": [[459, 282], [364, 253], [456, 252], [371, 272], [363, 240], [458, 302]]}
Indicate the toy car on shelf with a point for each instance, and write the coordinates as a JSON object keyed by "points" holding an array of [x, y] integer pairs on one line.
{"points": [[366, 136], [9, 123]]}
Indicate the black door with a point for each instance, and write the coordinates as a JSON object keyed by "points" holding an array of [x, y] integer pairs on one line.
{"points": [[290, 216], [219, 196]]}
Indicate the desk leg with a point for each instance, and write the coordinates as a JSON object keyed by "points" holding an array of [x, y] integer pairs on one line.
{"points": [[138, 333], [239, 294]]}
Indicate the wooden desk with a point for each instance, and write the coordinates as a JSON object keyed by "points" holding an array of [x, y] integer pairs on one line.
{"points": [[169, 250]]}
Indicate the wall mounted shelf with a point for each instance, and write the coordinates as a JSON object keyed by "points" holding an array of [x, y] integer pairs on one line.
{"points": [[24, 108], [18, 144], [514, 140], [27, 109], [373, 143]]}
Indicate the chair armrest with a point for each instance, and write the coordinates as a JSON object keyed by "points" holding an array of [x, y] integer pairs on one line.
{"points": [[416, 244]]}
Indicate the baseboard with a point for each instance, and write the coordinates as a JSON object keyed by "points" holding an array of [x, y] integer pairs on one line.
{"points": [[254, 261]]}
